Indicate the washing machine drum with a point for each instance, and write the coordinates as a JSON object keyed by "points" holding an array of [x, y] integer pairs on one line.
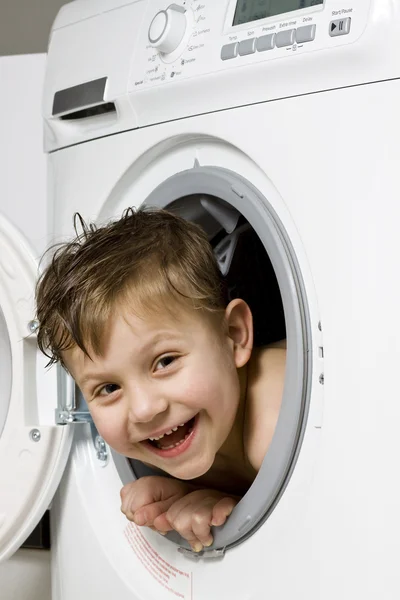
{"points": [[249, 275]]}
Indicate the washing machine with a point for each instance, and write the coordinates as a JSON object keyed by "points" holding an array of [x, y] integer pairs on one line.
{"points": [[33, 452], [280, 119]]}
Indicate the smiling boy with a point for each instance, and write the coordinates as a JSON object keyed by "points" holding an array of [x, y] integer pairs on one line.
{"points": [[137, 312]]}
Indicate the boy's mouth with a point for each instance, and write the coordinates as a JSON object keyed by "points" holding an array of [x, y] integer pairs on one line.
{"points": [[174, 438]]}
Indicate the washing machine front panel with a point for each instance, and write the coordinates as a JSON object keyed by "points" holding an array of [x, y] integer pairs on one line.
{"points": [[151, 162], [129, 82], [339, 509]]}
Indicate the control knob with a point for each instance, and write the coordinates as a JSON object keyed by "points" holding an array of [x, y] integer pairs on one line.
{"points": [[167, 29]]}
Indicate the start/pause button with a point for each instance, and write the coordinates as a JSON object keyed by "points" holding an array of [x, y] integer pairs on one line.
{"points": [[339, 27]]}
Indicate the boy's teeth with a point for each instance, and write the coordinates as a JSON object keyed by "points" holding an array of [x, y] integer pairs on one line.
{"points": [[166, 433], [177, 443]]}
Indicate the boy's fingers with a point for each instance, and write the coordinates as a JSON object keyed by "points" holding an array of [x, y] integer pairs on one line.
{"points": [[182, 523], [125, 494], [125, 507], [194, 542], [124, 491], [162, 524], [201, 522], [132, 501], [193, 522], [204, 536], [148, 490], [147, 514], [222, 510]]}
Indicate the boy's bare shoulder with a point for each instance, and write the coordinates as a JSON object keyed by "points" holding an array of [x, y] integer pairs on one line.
{"points": [[265, 379]]}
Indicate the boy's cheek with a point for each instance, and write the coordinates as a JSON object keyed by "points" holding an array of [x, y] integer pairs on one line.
{"points": [[115, 435], [111, 430]]}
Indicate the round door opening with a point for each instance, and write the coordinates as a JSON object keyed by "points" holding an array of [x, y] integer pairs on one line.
{"points": [[259, 265]]}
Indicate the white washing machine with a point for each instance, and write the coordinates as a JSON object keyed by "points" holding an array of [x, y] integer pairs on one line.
{"points": [[33, 452], [281, 117]]}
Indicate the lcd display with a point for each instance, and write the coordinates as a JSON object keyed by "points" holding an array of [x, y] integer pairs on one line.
{"points": [[253, 10]]}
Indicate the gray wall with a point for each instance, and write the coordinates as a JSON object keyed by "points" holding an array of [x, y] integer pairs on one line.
{"points": [[25, 25]]}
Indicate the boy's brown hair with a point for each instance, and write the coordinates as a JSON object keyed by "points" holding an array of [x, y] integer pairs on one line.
{"points": [[151, 259]]}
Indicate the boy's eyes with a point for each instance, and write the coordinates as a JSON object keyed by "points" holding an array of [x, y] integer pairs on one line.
{"points": [[165, 361], [109, 389], [161, 364]]}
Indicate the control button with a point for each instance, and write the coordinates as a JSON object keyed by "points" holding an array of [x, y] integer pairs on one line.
{"points": [[265, 42], [229, 51], [285, 38], [305, 34], [167, 29], [340, 27], [157, 26], [247, 47]]}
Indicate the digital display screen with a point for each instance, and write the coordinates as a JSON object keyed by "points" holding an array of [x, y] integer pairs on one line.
{"points": [[253, 10]]}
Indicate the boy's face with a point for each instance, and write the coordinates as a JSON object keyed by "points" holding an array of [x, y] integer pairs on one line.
{"points": [[157, 374]]}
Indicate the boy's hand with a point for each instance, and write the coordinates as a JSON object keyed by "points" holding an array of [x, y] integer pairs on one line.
{"points": [[193, 515], [165, 504], [149, 497]]}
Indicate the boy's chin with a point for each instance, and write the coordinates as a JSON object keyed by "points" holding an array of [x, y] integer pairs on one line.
{"points": [[189, 472]]}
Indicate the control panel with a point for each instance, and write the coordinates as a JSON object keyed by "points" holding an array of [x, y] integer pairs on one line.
{"points": [[193, 37], [133, 63]]}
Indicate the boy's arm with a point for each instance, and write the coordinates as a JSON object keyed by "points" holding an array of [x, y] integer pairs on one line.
{"points": [[166, 504]]}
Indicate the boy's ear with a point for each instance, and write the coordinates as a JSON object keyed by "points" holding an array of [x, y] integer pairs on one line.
{"points": [[240, 329]]}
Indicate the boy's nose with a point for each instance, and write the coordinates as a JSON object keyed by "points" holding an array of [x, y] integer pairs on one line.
{"points": [[143, 407]]}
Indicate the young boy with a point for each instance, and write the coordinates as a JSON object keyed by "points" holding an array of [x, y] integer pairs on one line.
{"points": [[136, 312]]}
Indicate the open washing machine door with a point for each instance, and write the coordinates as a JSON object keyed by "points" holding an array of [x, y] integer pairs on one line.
{"points": [[33, 451]]}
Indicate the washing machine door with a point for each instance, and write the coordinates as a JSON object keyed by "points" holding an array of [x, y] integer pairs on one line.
{"points": [[33, 451]]}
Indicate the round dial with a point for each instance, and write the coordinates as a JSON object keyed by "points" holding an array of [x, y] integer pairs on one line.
{"points": [[167, 29]]}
